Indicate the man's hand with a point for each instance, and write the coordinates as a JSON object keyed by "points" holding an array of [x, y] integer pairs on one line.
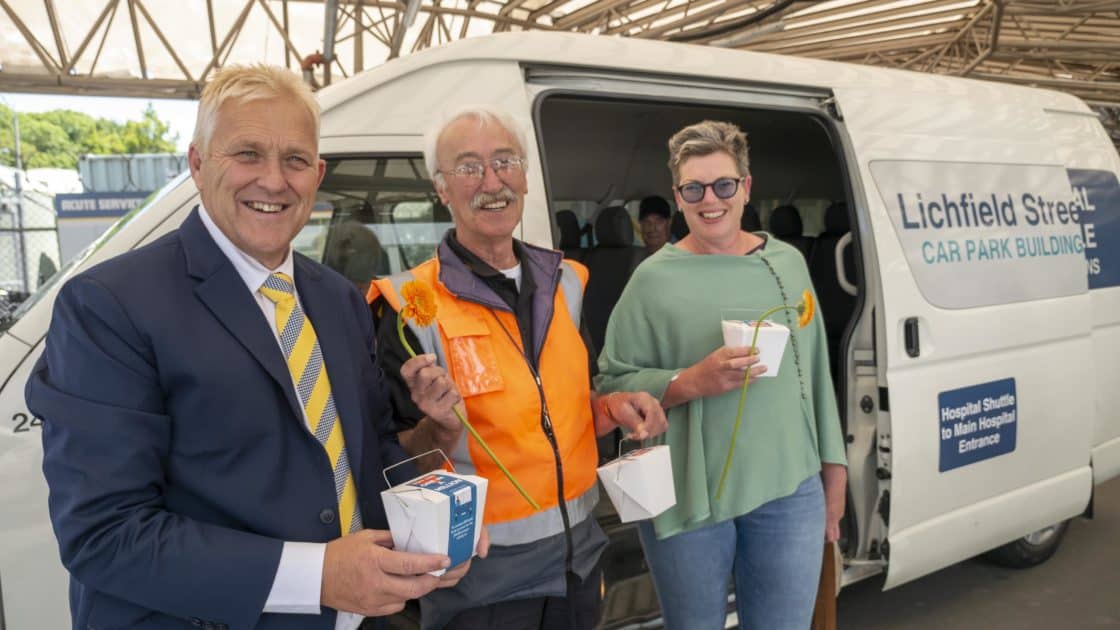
{"points": [[835, 479], [638, 412], [363, 574], [435, 394]]}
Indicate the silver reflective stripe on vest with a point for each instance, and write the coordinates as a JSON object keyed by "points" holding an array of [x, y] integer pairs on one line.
{"points": [[573, 291], [545, 523]]}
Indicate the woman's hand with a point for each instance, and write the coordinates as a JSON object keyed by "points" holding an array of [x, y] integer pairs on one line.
{"points": [[835, 478], [720, 372]]}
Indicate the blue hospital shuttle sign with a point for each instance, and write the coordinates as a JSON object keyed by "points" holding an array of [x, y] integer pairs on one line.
{"points": [[1013, 231], [1099, 194], [977, 422]]}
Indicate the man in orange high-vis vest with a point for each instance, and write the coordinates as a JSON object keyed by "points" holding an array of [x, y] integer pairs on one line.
{"points": [[508, 348]]}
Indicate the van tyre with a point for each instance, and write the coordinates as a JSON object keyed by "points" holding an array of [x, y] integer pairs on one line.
{"points": [[1030, 550]]}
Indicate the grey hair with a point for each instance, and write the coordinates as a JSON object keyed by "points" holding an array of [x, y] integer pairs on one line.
{"points": [[706, 138], [484, 114], [238, 83]]}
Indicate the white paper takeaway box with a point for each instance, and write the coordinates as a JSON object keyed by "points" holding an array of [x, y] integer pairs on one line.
{"points": [[772, 338], [640, 483], [437, 512]]}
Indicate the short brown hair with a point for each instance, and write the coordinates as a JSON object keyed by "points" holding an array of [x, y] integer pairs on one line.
{"points": [[706, 138]]}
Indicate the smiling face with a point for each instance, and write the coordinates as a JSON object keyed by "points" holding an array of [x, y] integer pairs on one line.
{"points": [[713, 221], [259, 174], [486, 210]]}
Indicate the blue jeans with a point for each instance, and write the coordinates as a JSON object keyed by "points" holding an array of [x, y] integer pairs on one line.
{"points": [[773, 553]]}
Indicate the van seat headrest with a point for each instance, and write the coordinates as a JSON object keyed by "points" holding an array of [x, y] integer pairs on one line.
{"points": [[785, 222], [836, 218], [613, 228], [678, 227], [568, 223], [750, 221]]}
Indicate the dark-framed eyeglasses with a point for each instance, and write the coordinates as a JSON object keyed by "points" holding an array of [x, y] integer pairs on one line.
{"points": [[476, 170], [724, 188]]}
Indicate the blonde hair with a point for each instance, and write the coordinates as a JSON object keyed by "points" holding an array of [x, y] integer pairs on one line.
{"points": [[484, 114], [242, 84], [706, 138]]}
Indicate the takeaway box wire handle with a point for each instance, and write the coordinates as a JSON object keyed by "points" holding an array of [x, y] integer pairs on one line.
{"points": [[385, 470]]}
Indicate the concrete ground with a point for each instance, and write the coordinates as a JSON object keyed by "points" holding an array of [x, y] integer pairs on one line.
{"points": [[1078, 588]]}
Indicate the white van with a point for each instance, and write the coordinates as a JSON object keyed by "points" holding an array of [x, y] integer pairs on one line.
{"points": [[964, 239]]}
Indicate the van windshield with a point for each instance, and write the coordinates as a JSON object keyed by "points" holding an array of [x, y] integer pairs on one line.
{"points": [[8, 319]]}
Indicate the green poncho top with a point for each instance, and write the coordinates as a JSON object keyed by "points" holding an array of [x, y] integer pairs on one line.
{"points": [[667, 319]]}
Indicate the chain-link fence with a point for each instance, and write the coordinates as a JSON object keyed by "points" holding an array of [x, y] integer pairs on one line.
{"points": [[29, 253], [28, 258]]}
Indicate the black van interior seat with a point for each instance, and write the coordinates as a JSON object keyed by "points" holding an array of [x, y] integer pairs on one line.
{"points": [[750, 220], [678, 228], [836, 303], [570, 234], [785, 224], [610, 262]]}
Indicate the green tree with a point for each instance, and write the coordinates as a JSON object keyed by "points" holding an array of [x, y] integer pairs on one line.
{"points": [[58, 138]]}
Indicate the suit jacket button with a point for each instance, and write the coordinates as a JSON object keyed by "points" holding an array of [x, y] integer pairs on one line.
{"points": [[196, 622], [326, 517]]}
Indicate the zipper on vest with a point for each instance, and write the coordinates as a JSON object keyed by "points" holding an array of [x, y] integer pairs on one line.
{"points": [[546, 426]]}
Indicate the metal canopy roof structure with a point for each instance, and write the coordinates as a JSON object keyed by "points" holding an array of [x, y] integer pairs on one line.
{"points": [[157, 48]]}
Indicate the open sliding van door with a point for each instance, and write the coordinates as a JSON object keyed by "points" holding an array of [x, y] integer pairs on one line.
{"points": [[982, 318]]}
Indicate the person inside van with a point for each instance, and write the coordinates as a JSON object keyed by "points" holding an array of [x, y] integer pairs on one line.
{"points": [[204, 468], [664, 337], [653, 217], [510, 326]]}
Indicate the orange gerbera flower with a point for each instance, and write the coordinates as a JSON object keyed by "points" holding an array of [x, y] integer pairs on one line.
{"points": [[419, 303], [806, 309]]}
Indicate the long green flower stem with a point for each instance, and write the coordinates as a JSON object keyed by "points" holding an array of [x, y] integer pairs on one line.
{"points": [[470, 429], [743, 397]]}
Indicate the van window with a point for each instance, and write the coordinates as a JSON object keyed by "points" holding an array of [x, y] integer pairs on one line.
{"points": [[374, 216]]}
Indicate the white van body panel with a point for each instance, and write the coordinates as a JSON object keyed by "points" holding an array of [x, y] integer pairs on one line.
{"points": [[1061, 352], [936, 517], [1081, 143]]}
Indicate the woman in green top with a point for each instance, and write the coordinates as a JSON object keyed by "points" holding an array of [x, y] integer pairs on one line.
{"points": [[664, 337]]}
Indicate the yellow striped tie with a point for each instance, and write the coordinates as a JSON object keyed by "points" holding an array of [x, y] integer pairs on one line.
{"points": [[305, 362]]}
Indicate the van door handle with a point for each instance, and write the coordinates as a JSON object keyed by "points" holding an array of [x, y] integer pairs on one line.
{"points": [[910, 332]]}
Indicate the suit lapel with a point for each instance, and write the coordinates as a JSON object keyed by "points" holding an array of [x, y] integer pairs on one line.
{"points": [[328, 314], [224, 293]]}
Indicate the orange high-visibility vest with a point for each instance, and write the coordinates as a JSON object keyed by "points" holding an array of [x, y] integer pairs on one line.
{"points": [[480, 347]]}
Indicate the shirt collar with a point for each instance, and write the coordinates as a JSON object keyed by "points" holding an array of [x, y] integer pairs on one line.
{"points": [[476, 265], [252, 272]]}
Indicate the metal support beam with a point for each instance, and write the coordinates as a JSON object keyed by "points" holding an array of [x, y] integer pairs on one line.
{"points": [[214, 61], [40, 50], [163, 39], [109, 6], [58, 43], [136, 38]]}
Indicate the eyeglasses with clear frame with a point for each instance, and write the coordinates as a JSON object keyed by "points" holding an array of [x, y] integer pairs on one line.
{"points": [[475, 171], [723, 188]]}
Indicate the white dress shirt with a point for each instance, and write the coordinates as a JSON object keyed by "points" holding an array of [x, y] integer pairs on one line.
{"points": [[299, 578]]}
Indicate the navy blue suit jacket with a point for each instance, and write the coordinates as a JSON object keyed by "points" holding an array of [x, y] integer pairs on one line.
{"points": [[174, 447]]}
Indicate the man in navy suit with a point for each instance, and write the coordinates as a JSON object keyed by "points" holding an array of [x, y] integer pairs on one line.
{"points": [[199, 477]]}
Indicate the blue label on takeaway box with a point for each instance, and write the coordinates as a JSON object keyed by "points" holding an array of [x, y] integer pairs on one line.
{"points": [[462, 496]]}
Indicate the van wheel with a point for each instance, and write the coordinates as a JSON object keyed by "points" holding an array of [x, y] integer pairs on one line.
{"points": [[1030, 550]]}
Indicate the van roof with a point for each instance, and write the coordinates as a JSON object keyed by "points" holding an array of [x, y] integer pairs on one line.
{"points": [[643, 56]]}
